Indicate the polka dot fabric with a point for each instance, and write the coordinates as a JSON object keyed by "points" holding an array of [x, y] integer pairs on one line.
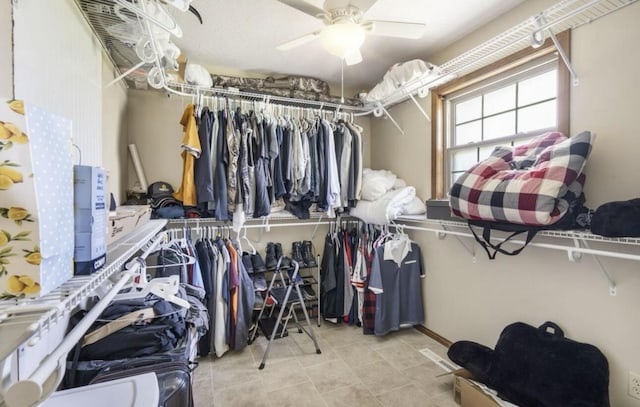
{"points": [[52, 163]]}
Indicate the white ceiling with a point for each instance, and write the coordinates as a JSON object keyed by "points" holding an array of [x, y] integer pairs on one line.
{"points": [[242, 35]]}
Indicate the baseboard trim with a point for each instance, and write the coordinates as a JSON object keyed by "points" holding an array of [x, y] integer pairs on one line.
{"points": [[436, 337]]}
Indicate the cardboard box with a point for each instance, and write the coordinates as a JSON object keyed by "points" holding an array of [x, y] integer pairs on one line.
{"points": [[90, 218], [467, 393], [125, 220], [36, 200]]}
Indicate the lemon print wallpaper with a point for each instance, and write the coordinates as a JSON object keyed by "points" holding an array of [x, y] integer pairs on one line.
{"points": [[24, 270]]}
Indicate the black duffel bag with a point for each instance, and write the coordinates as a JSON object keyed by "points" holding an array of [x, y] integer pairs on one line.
{"points": [[617, 219], [538, 367]]}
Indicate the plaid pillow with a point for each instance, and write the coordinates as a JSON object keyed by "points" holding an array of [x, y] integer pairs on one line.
{"points": [[505, 188]]}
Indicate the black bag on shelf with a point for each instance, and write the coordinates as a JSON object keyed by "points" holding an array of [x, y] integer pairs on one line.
{"points": [[538, 367], [577, 216], [617, 219]]}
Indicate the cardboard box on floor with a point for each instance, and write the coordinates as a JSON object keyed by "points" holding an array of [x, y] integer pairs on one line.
{"points": [[125, 220], [467, 393]]}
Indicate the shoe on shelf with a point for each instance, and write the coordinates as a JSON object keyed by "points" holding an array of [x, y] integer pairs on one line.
{"points": [[307, 254], [258, 263], [296, 253], [270, 301], [246, 262], [278, 250], [271, 259], [308, 293], [258, 303], [285, 262], [259, 282]]}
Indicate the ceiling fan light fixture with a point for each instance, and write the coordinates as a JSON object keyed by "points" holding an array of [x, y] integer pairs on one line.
{"points": [[342, 38]]}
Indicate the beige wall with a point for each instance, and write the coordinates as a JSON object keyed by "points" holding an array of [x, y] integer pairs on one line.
{"points": [[104, 142], [114, 133], [154, 127], [6, 49], [472, 298], [408, 155]]}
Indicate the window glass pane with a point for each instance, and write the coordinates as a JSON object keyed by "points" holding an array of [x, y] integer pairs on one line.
{"points": [[468, 133], [500, 100], [469, 110], [537, 117], [464, 159], [538, 88], [485, 151], [455, 176], [500, 125]]}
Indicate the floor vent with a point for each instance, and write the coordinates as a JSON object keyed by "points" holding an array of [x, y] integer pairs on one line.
{"points": [[446, 365]]}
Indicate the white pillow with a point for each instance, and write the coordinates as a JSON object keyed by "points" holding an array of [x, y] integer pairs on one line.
{"points": [[416, 207], [376, 183]]}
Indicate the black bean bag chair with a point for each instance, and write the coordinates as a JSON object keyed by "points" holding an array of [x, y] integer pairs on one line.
{"points": [[538, 367]]}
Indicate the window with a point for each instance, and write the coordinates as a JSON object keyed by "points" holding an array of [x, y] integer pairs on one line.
{"points": [[507, 103]]}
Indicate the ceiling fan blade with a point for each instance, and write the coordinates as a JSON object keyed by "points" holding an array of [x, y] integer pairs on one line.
{"points": [[363, 5], [303, 6], [298, 41], [397, 29], [353, 58]]}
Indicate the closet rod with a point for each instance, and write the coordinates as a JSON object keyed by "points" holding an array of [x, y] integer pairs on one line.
{"points": [[252, 226], [191, 90]]}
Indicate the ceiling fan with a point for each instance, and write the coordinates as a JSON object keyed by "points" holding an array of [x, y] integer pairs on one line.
{"points": [[346, 28]]}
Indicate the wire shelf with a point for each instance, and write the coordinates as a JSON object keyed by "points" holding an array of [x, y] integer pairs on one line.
{"points": [[562, 234], [24, 320], [118, 41], [567, 14]]}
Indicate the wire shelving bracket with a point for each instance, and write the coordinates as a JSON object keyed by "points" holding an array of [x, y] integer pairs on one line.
{"points": [[575, 252]]}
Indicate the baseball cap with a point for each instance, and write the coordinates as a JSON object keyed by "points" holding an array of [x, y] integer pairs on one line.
{"points": [[159, 189]]}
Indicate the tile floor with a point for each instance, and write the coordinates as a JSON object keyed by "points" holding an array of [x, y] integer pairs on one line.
{"points": [[353, 370]]}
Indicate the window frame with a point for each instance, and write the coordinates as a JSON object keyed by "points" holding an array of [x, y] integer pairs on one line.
{"points": [[496, 70]]}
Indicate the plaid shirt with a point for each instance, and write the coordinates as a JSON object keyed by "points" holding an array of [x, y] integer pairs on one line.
{"points": [[529, 184]]}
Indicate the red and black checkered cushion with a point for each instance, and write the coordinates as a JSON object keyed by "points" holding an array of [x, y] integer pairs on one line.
{"points": [[525, 185]]}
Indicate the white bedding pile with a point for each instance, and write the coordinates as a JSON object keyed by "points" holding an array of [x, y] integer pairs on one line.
{"points": [[385, 197], [397, 76]]}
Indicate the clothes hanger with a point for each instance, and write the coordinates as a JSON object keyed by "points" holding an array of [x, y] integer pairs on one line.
{"points": [[186, 259], [244, 236], [162, 287]]}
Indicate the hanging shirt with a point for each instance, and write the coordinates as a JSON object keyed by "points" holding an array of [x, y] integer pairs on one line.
{"points": [[233, 149], [345, 166], [355, 171], [395, 278], [333, 180], [222, 301], [220, 175], [202, 172], [190, 151]]}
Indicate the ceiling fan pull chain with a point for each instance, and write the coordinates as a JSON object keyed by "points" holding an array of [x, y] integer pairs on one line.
{"points": [[342, 80]]}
